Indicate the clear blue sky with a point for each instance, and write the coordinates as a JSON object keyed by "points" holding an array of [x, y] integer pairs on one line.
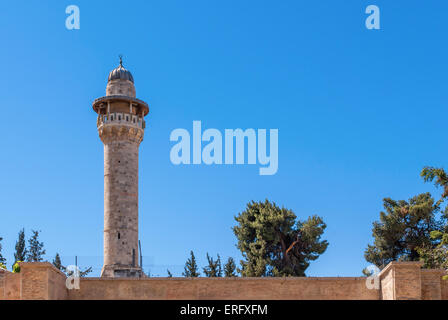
{"points": [[359, 113]]}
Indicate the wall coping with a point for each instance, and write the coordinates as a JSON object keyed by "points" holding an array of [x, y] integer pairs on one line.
{"points": [[47, 265], [225, 279], [408, 264]]}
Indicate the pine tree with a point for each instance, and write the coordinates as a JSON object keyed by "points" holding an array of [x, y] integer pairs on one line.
{"points": [[437, 257], [219, 266], [35, 248], [21, 251], [83, 273], [191, 268], [214, 268], [170, 275], [274, 243], [2, 259], [57, 262], [230, 268], [403, 229]]}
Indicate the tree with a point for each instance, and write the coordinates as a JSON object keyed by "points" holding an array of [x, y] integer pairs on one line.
{"points": [[2, 259], [403, 229], [437, 257], [21, 251], [170, 275], [214, 267], [230, 268], [274, 243], [57, 262], [16, 267], [35, 248], [191, 268], [86, 271], [439, 177]]}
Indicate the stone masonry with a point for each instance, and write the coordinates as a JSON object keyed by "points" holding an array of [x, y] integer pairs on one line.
{"points": [[398, 281], [121, 127]]}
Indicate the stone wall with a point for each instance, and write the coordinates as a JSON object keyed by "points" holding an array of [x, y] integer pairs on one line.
{"points": [[41, 281], [398, 281], [225, 289], [403, 281], [444, 288], [9, 285], [431, 284]]}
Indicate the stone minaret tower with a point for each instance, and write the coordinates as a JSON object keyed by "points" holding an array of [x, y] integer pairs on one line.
{"points": [[121, 126]]}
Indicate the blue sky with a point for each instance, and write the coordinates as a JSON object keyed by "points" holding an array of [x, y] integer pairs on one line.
{"points": [[359, 113]]}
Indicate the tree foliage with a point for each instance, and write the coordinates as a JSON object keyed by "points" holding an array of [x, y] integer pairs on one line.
{"points": [[16, 267], [230, 268], [57, 262], [191, 268], [82, 273], [403, 229], [439, 177], [20, 248], [437, 257], [214, 267], [35, 251], [2, 259], [275, 243]]}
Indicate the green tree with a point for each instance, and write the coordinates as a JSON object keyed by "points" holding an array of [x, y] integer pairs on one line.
{"points": [[439, 177], [403, 229], [230, 268], [274, 243], [69, 271], [35, 248], [170, 275], [86, 271], [2, 259], [437, 257], [57, 262], [21, 251], [214, 267], [191, 268], [16, 267]]}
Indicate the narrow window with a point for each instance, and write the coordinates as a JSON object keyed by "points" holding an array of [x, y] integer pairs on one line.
{"points": [[118, 235]]}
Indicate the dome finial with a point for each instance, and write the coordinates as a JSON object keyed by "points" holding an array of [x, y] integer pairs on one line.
{"points": [[121, 59]]}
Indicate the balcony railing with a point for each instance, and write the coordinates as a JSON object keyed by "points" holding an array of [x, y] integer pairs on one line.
{"points": [[121, 118]]}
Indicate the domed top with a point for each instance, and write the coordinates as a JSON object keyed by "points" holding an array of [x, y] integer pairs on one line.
{"points": [[120, 73]]}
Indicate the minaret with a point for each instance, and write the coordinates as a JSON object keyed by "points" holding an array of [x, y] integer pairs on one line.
{"points": [[121, 126]]}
